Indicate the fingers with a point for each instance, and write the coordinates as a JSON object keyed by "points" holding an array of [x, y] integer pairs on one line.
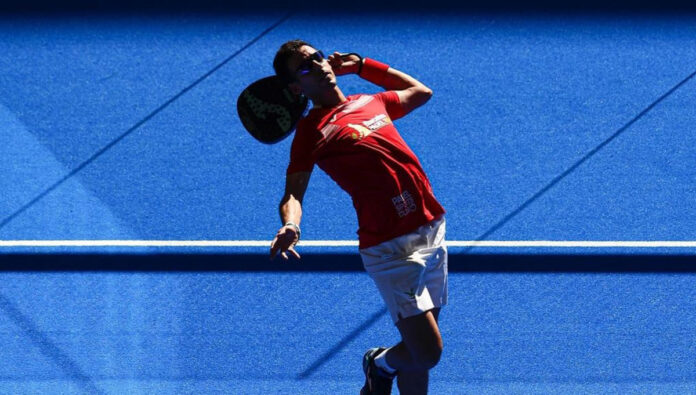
{"points": [[274, 248], [294, 253], [336, 56], [283, 245], [284, 254], [344, 63], [339, 60], [335, 60]]}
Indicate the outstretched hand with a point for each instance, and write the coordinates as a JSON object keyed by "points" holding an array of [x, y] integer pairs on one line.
{"points": [[285, 241], [345, 63]]}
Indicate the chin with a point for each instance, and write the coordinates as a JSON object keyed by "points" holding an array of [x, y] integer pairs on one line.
{"points": [[329, 83]]}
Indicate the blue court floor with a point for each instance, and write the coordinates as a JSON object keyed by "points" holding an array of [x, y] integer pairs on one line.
{"points": [[561, 145]]}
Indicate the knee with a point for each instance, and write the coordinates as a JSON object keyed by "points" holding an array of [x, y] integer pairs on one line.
{"points": [[429, 358]]}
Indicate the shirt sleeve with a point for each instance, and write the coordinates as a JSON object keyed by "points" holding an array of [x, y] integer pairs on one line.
{"points": [[391, 102], [301, 151]]}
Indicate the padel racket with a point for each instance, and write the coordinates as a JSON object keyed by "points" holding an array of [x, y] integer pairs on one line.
{"points": [[269, 111]]}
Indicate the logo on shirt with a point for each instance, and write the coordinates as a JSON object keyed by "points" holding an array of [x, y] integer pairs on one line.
{"points": [[361, 131], [377, 122], [404, 204]]}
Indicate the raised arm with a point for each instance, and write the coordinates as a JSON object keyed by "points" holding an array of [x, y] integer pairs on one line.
{"points": [[412, 93], [290, 215]]}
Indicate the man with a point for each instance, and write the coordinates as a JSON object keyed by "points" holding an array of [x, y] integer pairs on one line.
{"points": [[401, 224]]}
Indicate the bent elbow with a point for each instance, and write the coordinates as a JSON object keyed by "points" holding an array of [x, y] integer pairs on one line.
{"points": [[424, 95], [427, 93]]}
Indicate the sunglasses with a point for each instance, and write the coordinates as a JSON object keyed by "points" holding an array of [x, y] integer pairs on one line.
{"points": [[307, 64]]}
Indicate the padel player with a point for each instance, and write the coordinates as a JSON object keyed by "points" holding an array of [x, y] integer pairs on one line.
{"points": [[401, 224]]}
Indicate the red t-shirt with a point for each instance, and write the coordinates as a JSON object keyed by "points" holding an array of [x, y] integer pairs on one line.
{"points": [[357, 145]]}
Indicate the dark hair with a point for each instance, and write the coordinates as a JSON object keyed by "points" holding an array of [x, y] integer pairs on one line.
{"points": [[280, 62]]}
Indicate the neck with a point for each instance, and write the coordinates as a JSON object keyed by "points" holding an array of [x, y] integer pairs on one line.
{"points": [[329, 98]]}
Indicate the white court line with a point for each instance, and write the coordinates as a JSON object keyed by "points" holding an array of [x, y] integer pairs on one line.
{"points": [[340, 243]]}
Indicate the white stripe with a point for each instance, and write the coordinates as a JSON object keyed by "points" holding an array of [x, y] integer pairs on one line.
{"points": [[573, 244], [342, 243]]}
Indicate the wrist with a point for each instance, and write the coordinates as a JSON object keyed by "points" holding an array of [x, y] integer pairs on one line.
{"points": [[373, 71], [295, 226]]}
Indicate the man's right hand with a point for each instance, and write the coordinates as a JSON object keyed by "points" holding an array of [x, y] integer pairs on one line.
{"points": [[285, 241]]}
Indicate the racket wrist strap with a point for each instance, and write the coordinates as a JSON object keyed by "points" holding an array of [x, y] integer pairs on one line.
{"points": [[373, 71]]}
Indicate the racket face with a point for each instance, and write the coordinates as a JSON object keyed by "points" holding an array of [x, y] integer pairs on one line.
{"points": [[269, 111]]}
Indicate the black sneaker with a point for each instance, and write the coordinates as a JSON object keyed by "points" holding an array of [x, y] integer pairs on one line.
{"points": [[377, 381]]}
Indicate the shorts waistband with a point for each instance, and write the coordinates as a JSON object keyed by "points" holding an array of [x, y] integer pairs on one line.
{"points": [[429, 235]]}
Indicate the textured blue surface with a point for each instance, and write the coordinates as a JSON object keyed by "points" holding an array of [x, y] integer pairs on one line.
{"points": [[270, 332], [518, 102]]}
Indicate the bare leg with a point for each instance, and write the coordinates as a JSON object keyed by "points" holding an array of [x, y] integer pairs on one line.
{"points": [[417, 353]]}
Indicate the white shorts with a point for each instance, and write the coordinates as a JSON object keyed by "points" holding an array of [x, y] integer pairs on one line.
{"points": [[410, 271]]}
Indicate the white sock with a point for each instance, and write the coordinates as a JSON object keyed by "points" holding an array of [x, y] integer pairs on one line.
{"points": [[381, 362]]}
